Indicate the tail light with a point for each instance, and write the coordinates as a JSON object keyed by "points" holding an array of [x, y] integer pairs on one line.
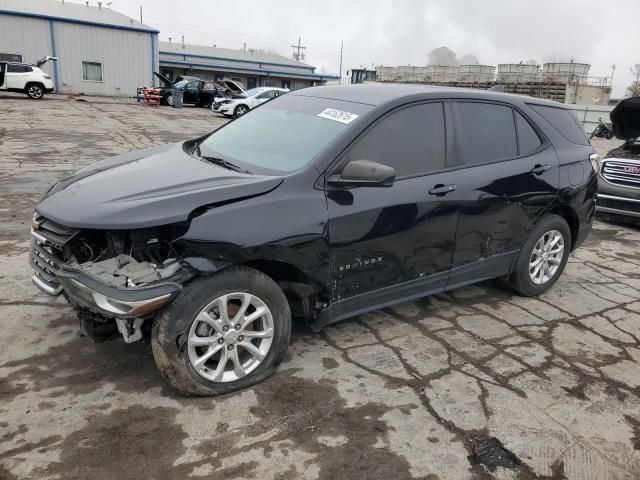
{"points": [[596, 163], [47, 76]]}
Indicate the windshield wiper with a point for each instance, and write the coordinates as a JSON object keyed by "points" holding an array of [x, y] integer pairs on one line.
{"points": [[218, 161], [223, 163]]}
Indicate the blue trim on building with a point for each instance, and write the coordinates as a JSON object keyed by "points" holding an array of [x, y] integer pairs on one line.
{"points": [[252, 70], [256, 62], [154, 58], [79, 22], [56, 72]]}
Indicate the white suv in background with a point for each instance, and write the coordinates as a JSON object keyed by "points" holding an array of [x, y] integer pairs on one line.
{"points": [[254, 97], [25, 78]]}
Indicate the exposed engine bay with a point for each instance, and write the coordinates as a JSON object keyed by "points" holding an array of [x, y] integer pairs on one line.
{"points": [[127, 263], [628, 150], [125, 271]]}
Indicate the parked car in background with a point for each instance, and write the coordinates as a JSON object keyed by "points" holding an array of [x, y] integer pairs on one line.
{"points": [[322, 204], [619, 170], [198, 92], [26, 78], [254, 97]]}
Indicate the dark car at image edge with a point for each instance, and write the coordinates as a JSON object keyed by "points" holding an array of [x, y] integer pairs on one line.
{"points": [[322, 204], [619, 170]]}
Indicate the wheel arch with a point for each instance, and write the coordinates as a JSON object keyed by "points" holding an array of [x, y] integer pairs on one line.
{"points": [[33, 82], [571, 217], [299, 288]]}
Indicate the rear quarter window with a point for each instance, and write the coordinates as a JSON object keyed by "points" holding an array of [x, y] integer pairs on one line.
{"points": [[564, 121], [19, 69]]}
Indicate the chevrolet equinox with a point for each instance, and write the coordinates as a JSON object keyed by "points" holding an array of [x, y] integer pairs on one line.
{"points": [[322, 204]]}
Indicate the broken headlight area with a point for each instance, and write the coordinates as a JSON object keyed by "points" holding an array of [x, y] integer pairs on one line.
{"points": [[121, 277]]}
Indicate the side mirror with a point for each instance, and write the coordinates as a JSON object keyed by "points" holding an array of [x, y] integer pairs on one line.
{"points": [[364, 173]]}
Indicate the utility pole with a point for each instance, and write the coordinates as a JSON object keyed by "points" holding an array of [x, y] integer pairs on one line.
{"points": [[140, 13], [298, 56], [341, 49], [613, 70]]}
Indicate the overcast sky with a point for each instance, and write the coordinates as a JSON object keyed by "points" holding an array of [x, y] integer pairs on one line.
{"points": [[401, 32]]}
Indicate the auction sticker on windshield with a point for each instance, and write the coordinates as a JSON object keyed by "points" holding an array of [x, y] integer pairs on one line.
{"points": [[338, 115]]}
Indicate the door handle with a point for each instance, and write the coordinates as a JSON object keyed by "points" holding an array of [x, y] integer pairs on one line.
{"points": [[538, 169], [440, 190]]}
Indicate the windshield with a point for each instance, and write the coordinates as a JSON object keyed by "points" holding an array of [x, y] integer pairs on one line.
{"points": [[284, 134], [181, 83], [254, 91]]}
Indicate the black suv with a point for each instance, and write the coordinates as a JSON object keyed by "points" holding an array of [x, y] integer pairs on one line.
{"points": [[322, 204], [619, 170]]}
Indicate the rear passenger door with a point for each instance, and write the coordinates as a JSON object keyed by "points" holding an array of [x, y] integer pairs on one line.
{"points": [[191, 92], [387, 236], [17, 75], [508, 175]]}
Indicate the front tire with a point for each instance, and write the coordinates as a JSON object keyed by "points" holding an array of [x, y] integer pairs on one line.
{"points": [[35, 91], [168, 99], [240, 110], [223, 333], [542, 258]]}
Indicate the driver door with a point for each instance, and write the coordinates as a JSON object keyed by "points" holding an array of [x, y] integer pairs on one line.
{"points": [[388, 240]]}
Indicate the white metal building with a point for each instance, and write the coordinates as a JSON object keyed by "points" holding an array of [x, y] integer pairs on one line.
{"points": [[100, 51], [252, 68]]}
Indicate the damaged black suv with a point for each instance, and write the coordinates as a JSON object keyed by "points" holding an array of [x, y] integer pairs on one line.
{"points": [[321, 204]]}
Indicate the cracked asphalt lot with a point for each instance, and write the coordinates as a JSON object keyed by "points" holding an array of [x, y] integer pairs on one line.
{"points": [[474, 384]]}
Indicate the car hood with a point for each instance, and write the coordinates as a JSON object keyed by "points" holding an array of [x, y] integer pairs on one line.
{"points": [[146, 188], [626, 118]]}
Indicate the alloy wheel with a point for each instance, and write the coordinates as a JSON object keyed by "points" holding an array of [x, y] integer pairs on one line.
{"points": [[546, 257], [35, 91], [242, 110], [230, 337]]}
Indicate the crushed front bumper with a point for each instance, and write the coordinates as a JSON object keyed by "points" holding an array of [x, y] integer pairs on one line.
{"points": [[53, 277], [115, 302]]}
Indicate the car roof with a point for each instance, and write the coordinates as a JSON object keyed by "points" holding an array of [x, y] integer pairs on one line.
{"points": [[375, 94]]}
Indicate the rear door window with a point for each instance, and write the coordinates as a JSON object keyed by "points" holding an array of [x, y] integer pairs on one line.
{"points": [[528, 139], [485, 132], [564, 121], [411, 140]]}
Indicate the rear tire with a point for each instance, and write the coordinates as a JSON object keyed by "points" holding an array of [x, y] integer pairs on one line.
{"points": [[34, 91], [190, 345], [542, 258]]}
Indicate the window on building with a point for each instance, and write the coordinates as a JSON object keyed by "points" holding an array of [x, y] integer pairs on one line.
{"points": [[10, 57], [92, 71], [486, 132], [411, 140], [528, 139], [11, 68]]}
